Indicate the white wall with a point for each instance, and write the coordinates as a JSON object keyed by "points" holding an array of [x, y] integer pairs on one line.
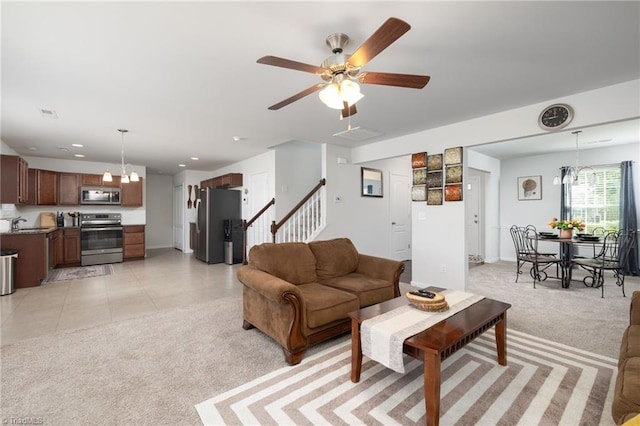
{"points": [[365, 220], [130, 215], [159, 204], [298, 169]]}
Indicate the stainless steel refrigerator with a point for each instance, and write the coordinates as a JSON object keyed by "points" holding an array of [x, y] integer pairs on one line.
{"points": [[213, 207]]}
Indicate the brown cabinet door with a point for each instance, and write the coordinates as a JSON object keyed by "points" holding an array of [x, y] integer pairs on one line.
{"points": [[71, 246], [46, 188], [14, 180], [133, 244], [69, 189], [131, 194], [96, 180], [193, 236], [58, 248]]}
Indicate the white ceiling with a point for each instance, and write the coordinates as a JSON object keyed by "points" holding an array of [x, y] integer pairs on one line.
{"points": [[183, 77]]}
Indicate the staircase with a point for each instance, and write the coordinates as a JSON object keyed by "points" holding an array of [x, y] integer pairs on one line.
{"points": [[302, 224]]}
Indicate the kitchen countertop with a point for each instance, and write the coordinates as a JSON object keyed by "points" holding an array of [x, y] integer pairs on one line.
{"points": [[36, 230]]}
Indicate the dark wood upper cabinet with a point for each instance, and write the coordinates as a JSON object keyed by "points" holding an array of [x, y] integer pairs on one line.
{"points": [[230, 180], [96, 180], [131, 194], [69, 188], [15, 180], [43, 187]]}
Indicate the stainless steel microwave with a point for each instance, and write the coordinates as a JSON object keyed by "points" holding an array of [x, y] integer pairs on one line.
{"points": [[99, 195]]}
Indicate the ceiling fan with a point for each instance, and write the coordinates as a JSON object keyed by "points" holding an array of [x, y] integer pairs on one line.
{"points": [[342, 72]]}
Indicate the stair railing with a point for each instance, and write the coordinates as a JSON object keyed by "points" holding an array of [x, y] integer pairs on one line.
{"points": [[304, 220], [246, 224]]}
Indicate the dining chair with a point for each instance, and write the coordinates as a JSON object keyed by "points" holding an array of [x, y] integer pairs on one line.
{"points": [[612, 257], [540, 261], [524, 252]]}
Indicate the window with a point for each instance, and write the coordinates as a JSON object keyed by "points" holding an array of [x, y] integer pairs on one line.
{"points": [[597, 200]]}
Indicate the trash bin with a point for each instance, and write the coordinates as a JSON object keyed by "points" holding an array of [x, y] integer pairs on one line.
{"points": [[228, 252], [7, 271]]}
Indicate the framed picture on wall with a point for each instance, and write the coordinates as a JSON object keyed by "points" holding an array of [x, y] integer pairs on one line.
{"points": [[530, 188]]}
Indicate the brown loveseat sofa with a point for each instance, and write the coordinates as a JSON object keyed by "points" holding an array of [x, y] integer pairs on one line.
{"points": [[300, 294], [626, 398]]}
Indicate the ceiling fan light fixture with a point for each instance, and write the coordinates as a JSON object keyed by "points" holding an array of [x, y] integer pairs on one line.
{"points": [[330, 96], [350, 91]]}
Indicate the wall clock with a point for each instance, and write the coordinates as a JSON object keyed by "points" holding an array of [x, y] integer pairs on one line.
{"points": [[555, 116]]}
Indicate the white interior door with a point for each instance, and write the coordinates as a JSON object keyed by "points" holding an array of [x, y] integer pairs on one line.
{"points": [[178, 230], [400, 215], [258, 196], [475, 219]]}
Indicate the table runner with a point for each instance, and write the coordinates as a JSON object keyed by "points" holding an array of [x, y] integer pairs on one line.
{"points": [[382, 337]]}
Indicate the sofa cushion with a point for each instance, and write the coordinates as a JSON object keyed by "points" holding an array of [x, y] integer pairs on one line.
{"points": [[324, 305], [292, 262], [369, 290], [334, 258], [630, 342], [625, 403]]}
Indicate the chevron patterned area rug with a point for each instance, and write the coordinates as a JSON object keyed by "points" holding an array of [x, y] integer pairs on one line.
{"points": [[544, 383]]}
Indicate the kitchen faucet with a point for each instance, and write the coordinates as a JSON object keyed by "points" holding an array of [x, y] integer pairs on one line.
{"points": [[15, 221]]}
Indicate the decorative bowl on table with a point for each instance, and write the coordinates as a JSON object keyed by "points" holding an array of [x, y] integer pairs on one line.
{"points": [[436, 304]]}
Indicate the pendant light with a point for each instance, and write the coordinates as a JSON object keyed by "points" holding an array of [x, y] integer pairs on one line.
{"points": [[124, 178], [572, 172]]}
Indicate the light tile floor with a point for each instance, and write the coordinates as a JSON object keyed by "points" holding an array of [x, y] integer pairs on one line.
{"points": [[167, 278]]}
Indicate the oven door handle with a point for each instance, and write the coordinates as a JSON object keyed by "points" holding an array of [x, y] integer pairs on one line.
{"points": [[109, 228]]}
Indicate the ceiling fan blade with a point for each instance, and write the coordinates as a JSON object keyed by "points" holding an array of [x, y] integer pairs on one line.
{"points": [[390, 31], [297, 96], [293, 65], [412, 81], [348, 111]]}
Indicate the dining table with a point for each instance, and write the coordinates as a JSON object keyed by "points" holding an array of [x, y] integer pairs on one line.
{"points": [[567, 246]]}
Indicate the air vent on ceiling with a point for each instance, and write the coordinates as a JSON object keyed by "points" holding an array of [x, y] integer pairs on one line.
{"points": [[48, 113], [357, 134]]}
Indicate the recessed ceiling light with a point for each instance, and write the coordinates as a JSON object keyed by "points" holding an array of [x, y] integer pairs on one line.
{"points": [[63, 148], [32, 148], [78, 155], [48, 113], [238, 138], [195, 158], [77, 145], [182, 165]]}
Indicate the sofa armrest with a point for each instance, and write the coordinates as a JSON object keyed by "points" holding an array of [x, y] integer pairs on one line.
{"points": [[634, 315], [381, 268], [269, 286]]}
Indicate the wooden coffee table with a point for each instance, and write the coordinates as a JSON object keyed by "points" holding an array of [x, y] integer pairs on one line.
{"points": [[436, 343]]}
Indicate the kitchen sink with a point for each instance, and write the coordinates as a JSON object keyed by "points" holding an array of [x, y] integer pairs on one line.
{"points": [[40, 228]]}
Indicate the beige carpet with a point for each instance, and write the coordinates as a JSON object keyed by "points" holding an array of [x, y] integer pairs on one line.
{"points": [[544, 383]]}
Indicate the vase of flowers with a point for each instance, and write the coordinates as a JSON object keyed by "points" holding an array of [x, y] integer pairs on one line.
{"points": [[566, 227]]}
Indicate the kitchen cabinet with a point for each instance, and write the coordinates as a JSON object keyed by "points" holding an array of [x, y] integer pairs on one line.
{"points": [[193, 236], [70, 247], [96, 180], [56, 248], [31, 266], [230, 180], [69, 188], [15, 180], [43, 187], [133, 244], [131, 194]]}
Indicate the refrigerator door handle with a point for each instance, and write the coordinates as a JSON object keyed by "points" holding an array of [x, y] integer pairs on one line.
{"points": [[198, 215]]}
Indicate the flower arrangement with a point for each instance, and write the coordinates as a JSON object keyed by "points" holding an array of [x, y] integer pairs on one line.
{"points": [[567, 224]]}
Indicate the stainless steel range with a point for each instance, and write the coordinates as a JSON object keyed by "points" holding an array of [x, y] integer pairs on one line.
{"points": [[101, 237]]}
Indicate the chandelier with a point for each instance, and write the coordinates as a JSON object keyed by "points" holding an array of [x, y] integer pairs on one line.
{"points": [[124, 178], [572, 172]]}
